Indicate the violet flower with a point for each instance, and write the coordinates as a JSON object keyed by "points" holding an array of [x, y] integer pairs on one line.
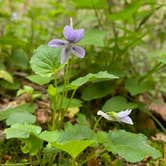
{"points": [[122, 116], [14, 16], [72, 36]]}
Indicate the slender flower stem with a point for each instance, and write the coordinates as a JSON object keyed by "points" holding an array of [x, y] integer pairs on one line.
{"points": [[96, 124], [71, 22], [64, 93], [66, 82], [73, 93], [54, 109], [67, 77], [65, 110]]}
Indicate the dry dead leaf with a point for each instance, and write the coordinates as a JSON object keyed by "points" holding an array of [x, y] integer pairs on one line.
{"points": [[71, 112], [7, 157], [42, 116], [159, 137], [93, 162], [159, 110]]}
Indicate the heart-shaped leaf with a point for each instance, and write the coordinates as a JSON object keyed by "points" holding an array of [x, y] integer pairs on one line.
{"points": [[132, 147], [45, 61], [117, 104], [22, 131], [73, 147]]}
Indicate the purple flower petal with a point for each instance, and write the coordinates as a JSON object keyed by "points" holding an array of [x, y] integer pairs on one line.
{"points": [[126, 119], [57, 43], [65, 53], [124, 113], [78, 51], [71, 35]]}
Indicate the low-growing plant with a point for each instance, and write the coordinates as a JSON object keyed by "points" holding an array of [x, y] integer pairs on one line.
{"points": [[53, 66], [94, 96]]}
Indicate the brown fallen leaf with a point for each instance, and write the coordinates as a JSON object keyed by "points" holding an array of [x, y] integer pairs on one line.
{"points": [[42, 116], [159, 137], [159, 109], [7, 157], [145, 123], [93, 162]]}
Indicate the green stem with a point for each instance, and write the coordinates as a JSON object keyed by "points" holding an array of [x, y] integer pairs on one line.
{"points": [[97, 15], [53, 119], [54, 108], [153, 70], [65, 91], [66, 80], [156, 120], [73, 162], [30, 159], [96, 124], [93, 155], [73, 93]]}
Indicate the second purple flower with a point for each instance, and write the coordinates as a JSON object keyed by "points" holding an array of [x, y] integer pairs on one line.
{"points": [[72, 36]]}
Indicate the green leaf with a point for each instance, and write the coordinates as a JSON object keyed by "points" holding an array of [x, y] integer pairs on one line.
{"points": [[11, 86], [163, 60], [101, 136], [97, 90], [94, 37], [4, 114], [100, 76], [32, 145], [73, 139], [67, 102], [39, 79], [29, 90], [81, 120], [22, 131], [75, 132], [50, 136], [74, 147], [127, 12], [135, 87], [159, 56], [52, 91], [19, 59], [6, 76], [20, 117], [10, 40], [45, 61], [132, 147], [90, 4], [26, 89], [117, 104]]}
